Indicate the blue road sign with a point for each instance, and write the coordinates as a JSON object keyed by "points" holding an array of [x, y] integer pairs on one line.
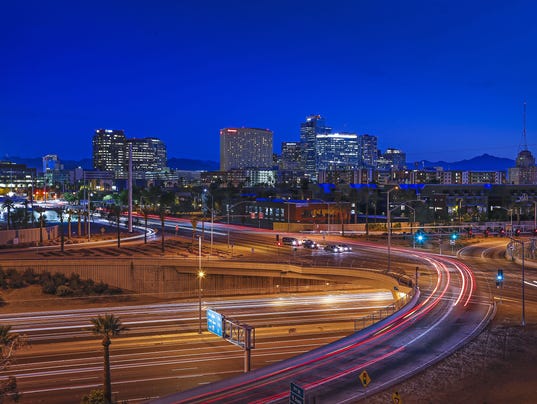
{"points": [[296, 395], [214, 322]]}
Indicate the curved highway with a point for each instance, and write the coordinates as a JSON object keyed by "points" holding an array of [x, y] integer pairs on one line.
{"points": [[446, 315]]}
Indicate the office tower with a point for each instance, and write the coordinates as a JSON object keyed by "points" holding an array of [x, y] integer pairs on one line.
{"points": [[291, 158], [148, 154], [336, 151], [245, 148], [367, 150], [314, 125], [109, 150], [51, 162], [396, 157]]}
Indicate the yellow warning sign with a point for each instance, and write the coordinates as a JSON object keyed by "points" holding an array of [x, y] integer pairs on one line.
{"points": [[364, 378], [396, 398]]}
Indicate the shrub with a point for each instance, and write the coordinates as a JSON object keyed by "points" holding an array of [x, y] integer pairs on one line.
{"points": [[94, 397], [15, 278], [64, 290], [59, 279], [30, 277], [49, 287]]}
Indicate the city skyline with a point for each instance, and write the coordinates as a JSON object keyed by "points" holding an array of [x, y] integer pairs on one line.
{"points": [[443, 81]]}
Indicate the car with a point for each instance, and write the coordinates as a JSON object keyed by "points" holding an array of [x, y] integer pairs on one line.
{"points": [[332, 248], [309, 244], [290, 241], [345, 247]]}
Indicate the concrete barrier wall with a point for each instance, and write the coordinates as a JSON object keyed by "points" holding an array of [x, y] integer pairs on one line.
{"points": [[222, 278], [28, 236]]}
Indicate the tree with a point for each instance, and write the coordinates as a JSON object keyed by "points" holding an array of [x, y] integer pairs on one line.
{"points": [[107, 326], [8, 204], [10, 342]]}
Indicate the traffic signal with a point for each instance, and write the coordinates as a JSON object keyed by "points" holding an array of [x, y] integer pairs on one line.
{"points": [[277, 237], [502, 232], [535, 233], [469, 232], [487, 231], [517, 232], [499, 278], [420, 237], [454, 236]]}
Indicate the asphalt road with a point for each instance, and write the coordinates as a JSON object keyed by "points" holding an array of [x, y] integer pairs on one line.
{"points": [[161, 353]]}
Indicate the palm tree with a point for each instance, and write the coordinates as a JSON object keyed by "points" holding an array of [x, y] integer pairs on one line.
{"points": [[107, 326], [8, 204], [10, 342], [166, 199]]}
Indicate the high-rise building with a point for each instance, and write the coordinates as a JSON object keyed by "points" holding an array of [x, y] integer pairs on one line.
{"points": [[396, 157], [525, 171], [148, 154], [291, 158], [245, 148], [367, 150], [314, 125], [51, 162], [111, 153], [336, 151], [109, 150]]}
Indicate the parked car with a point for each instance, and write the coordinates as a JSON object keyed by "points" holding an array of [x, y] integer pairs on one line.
{"points": [[332, 248], [309, 244]]}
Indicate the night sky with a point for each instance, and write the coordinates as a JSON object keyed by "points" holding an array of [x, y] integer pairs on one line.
{"points": [[441, 80]]}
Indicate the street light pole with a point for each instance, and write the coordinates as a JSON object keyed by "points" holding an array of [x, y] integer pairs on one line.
{"points": [[523, 283], [389, 225], [200, 277]]}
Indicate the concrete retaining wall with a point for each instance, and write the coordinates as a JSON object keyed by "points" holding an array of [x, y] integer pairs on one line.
{"points": [[28, 236], [222, 277]]}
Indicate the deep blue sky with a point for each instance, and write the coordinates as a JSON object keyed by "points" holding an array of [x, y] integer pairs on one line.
{"points": [[441, 80]]}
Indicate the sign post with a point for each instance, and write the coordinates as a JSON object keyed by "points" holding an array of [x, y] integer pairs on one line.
{"points": [[296, 395]]}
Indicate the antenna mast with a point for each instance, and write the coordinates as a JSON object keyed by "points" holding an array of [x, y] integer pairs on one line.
{"points": [[524, 131]]}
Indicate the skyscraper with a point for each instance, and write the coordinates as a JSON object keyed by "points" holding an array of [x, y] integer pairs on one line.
{"points": [[111, 153], [245, 148], [148, 154], [314, 125], [336, 151], [109, 150], [291, 158], [367, 150], [396, 157]]}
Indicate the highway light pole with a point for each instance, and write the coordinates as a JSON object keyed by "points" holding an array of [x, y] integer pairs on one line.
{"points": [[523, 322], [201, 274], [389, 224]]}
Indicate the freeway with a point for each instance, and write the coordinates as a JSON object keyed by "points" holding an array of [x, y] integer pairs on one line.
{"points": [[448, 313], [161, 353]]}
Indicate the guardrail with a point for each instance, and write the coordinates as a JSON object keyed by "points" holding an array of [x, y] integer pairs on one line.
{"points": [[383, 313]]}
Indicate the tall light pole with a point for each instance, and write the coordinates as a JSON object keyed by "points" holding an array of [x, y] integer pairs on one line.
{"points": [[389, 224], [523, 322], [212, 219], [534, 216], [201, 274]]}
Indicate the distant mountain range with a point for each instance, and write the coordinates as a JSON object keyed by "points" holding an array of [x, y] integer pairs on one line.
{"points": [[485, 162]]}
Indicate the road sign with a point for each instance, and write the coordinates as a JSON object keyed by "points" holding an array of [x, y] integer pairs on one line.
{"points": [[396, 398], [215, 322], [296, 395], [364, 378]]}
